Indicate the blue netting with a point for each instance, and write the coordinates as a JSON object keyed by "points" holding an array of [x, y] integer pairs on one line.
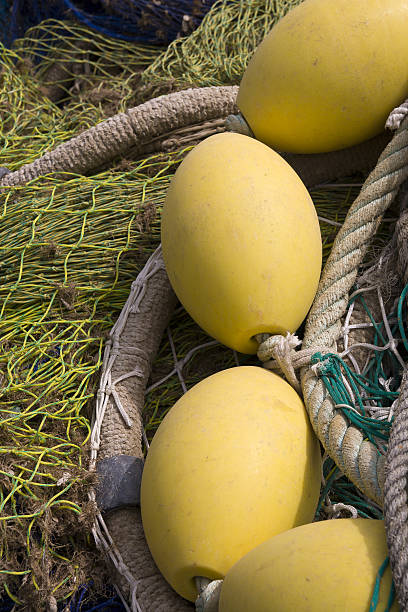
{"points": [[5, 11], [144, 21], [82, 602]]}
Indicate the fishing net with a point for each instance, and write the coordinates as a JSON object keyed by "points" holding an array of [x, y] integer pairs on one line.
{"points": [[142, 21], [73, 241], [231, 31], [55, 314], [89, 76], [5, 7]]}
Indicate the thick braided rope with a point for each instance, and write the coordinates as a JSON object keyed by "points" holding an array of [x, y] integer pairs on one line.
{"points": [[356, 457], [134, 129], [397, 116], [396, 465], [118, 429], [396, 497]]}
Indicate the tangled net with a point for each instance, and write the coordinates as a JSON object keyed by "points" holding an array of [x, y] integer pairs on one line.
{"points": [[218, 52], [142, 21], [70, 248], [55, 314]]}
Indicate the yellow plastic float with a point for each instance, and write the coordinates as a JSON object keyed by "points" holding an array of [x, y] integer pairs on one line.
{"points": [[234, 463], [327, 75], [321, 567], [241, 241]]}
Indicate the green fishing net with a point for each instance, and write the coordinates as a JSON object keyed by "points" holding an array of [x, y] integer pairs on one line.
{"points": [[218, 52]]}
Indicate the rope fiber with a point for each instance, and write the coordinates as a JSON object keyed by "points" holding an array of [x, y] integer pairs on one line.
{"points": [[357, 457]]}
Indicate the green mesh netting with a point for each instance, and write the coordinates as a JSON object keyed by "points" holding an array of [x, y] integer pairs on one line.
{"points": [[218, 52], [66, 269], [364, 377], [92, 76]]}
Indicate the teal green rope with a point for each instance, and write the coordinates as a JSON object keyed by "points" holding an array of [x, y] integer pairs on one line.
{"points": [[340, 489], [376, 592], [366, 386], [391, 597], [331, 374], [399, 317], [377, 584]]}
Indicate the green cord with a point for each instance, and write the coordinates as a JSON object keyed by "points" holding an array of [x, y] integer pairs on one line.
{"points": [[334, 371], [377, 585]]}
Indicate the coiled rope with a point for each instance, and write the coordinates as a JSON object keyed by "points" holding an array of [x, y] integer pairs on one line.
{"points": [[137, 129], [396, 465], [356, 457]]}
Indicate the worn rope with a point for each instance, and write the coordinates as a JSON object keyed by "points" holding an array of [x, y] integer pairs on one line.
{"points": [[279, 353], [133, 129], [118, 430], [209, 594], [396, 467], [397, 116], [396, 497], [356, 457]]}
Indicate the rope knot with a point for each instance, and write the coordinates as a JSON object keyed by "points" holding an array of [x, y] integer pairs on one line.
{"points": [[280, 349], [209, 594], [279, 353], [320, 363], [397, 116], [278, 346]]}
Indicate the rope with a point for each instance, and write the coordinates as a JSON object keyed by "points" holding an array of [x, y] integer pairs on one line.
{"points": [[278, 353], [209, 594], [356, 457], [397, 116], [237, 124], [396, 498], [129, 353], [396, 467], [134, 129]]}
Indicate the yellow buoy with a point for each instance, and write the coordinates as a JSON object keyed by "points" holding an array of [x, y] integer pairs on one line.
{"points": [[327, 75], [241, 241], [233, 463], [330, 565]]}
